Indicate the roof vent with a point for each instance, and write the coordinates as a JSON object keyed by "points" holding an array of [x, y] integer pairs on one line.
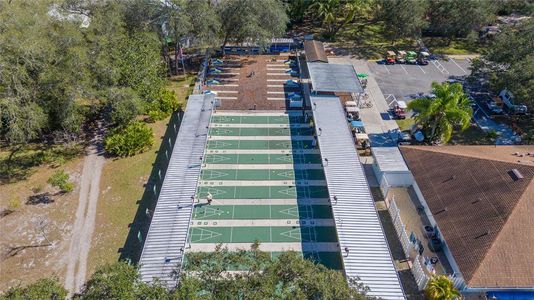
{"points": [[515, 174]]}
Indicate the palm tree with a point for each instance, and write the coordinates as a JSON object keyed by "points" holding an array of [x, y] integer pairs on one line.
{"points": [[440, 287], [439, 116]]}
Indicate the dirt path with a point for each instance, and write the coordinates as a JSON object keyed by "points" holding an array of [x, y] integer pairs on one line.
{"points": [[84, 224]]}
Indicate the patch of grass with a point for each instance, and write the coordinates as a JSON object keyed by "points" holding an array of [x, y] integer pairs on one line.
{"points": [[455, 47], [60, 180], [471, 136], [367, 40], [26, 160], [182, 86], [124, 185], [405, 124]]}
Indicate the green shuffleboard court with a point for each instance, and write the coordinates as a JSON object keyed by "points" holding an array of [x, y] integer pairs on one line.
{"points": [[262, 192], [233, 131], [258, 145], [243, 159], [263, 234], [262, 174], [277, 198], [255, 212]]}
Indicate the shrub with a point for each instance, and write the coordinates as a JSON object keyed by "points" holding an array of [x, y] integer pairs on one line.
{"points": [[60, 180], [163, 105], [46, 288], [136, 138], [156, 115], [14, 204]]}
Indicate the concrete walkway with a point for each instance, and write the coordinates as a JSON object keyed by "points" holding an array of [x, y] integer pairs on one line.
{"points": [[377, 120]]}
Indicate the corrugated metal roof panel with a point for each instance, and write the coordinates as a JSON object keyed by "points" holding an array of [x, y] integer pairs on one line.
{"points": [[334, 78], [164, 245], [389, 159], [358, 226]]}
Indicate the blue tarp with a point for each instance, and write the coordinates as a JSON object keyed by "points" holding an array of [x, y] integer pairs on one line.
{"points": [[356, 123], [511, 295]]}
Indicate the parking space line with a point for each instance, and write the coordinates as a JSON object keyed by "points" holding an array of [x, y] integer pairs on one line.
{"points": [[404, 69], [421, 69], [386, 69], [440, 67], [459, 66]]}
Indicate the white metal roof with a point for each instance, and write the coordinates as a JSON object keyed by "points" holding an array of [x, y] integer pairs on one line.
{"points": [[389, 159], [358, 226], [334, 78], [164, 245]]}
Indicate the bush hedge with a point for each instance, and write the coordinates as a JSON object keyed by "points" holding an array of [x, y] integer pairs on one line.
{"points": [[135, 138]]}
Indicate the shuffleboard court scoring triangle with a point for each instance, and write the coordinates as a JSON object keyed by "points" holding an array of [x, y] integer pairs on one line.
{"points": [[293, 234], [215, 158], [286, 158], [287, 174], [212, 174], [293, 211], [208, 212], [219, 144], [201, 234], [289, 191]]}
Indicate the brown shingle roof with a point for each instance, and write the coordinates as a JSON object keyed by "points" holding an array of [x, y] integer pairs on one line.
{"points": [[485, 216], [314, 51]]}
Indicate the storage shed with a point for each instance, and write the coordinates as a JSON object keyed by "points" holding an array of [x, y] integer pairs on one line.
{"points": [[390, 168]]}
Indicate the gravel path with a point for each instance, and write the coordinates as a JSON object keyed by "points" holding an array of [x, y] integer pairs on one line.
{"points": [[84, 224]]}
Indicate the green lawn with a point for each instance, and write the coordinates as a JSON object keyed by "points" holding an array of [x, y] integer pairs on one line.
{"points": [[122, 186], [405, 124], [455, 47], [471, 136]]}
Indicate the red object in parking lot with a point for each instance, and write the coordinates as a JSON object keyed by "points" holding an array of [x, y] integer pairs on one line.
{"points": [[399, 110], [390, 58]]}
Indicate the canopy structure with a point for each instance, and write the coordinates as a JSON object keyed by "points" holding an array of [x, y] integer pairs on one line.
{"points": [[165, 242], [356, 124], [364, 247], [334, 78]]}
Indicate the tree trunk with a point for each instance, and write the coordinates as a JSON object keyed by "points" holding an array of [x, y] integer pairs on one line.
{"points": [[182, 58], [176, 63], [10, 159], [224, 45]]}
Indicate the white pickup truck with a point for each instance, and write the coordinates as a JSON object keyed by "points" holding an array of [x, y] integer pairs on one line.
{"points": [[508, 100]]}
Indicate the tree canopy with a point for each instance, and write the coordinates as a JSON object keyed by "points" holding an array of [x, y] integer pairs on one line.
{"points": [[509, 62], [251, 21], [440, 116], [209, 276], [403, 18], [46, 288]]}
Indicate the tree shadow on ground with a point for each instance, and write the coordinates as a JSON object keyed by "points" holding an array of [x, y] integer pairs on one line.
{"points": [[133, 245], [21, 162], [43, 198], [367, 40]]}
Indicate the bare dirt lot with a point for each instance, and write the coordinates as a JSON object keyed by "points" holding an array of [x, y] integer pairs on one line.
{"points": [[253, 82], [36, 236]]}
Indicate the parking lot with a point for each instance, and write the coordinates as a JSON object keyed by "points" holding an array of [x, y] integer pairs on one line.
{"points": [[402, 81], [405, 82]]}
